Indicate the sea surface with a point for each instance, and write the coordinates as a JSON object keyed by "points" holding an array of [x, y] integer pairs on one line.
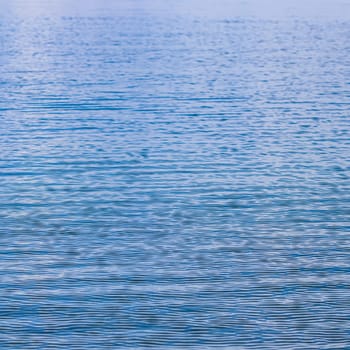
{"points": [[174, 175]]}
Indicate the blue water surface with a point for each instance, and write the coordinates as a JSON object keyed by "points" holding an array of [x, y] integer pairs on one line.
{"points": [[174, 174]]}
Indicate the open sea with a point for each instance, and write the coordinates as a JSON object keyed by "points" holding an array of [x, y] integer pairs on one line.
{"points": [[174, 174]]}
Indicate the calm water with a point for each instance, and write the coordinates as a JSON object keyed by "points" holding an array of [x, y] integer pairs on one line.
{"points": [[174, 175]]}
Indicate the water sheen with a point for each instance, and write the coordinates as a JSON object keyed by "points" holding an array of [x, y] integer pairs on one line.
{"points": [[174, 177]]}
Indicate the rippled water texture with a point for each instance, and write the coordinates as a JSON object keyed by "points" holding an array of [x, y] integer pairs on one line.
{"points": [[174, 176]]}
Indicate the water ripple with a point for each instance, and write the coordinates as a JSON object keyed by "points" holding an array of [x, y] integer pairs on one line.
{"points": [[173, 180]]}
